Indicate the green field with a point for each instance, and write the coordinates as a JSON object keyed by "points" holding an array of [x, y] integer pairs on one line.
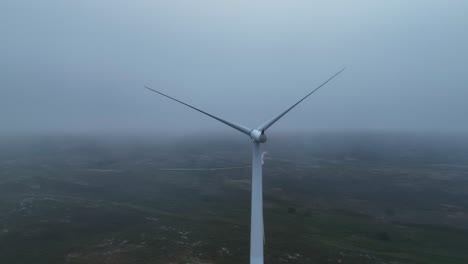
{"points": [[328, 199]]}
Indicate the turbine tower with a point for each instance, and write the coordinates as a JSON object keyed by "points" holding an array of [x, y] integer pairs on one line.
{"points": [[257, 136]]}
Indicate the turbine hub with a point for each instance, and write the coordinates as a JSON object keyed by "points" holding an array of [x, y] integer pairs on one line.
{"points": [[258, 136]]}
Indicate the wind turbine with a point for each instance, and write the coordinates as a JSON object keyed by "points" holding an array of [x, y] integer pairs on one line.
{"points": [[257, 136]]}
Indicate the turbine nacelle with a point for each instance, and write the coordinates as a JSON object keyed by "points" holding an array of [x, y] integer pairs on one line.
{"points": [[258, 136]]}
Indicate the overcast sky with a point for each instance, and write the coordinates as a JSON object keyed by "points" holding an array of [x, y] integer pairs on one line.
{"points": [[80, 66]]}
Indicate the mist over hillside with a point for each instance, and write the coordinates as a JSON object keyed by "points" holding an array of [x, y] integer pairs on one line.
{"points": [[363, 197]]}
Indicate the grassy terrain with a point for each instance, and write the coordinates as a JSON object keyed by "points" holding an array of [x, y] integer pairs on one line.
{"points": [[328, 199]]}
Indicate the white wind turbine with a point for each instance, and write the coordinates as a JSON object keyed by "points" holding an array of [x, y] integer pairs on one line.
{"points": [[257, 136]]}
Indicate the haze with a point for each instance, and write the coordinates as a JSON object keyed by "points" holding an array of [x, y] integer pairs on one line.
{"points": [[80, 66]]}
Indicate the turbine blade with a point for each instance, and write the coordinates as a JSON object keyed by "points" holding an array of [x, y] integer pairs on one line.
{"points": [[270, 122], [239, 127]]}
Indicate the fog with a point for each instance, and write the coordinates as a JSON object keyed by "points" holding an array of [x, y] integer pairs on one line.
{"points": [[80, 66]]}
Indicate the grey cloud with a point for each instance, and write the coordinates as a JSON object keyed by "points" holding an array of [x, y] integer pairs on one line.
{"points": [[81, 65]]}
